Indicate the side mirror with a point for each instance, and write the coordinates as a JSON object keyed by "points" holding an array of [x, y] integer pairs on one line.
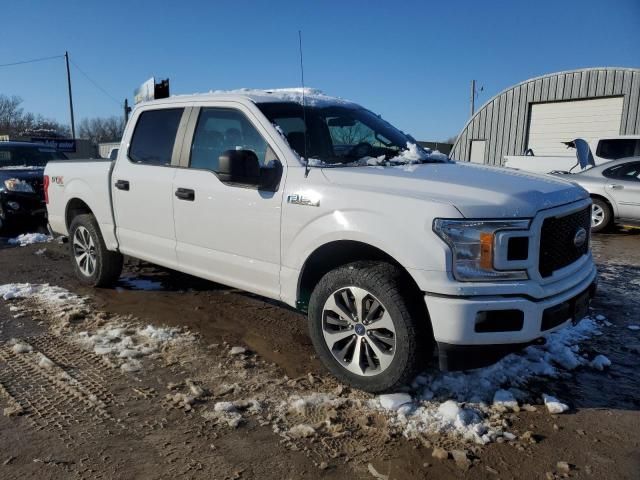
{"points": [[239, 166], [242, 167]]}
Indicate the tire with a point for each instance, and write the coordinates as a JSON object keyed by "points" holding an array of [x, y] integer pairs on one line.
{"points": [[101, 267], [389, 358], [601, 215]]}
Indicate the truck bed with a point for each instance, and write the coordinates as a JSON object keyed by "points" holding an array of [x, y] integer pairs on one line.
{"points": [[80, 184]]}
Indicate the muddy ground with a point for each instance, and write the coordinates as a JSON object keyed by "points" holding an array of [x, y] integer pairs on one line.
{"points": [[190, 408]]}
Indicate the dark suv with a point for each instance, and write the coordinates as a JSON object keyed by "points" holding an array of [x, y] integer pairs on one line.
{"points": [[22, 182]]}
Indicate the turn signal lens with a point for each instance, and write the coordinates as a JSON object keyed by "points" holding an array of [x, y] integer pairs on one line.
{"points": [[486, 250]]}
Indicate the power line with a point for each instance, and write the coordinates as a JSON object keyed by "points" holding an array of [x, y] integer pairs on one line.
{"points": [[31, 61], [95, 84]]}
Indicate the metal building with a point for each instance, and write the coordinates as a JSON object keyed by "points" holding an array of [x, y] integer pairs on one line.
{"points": [[539, 114]]}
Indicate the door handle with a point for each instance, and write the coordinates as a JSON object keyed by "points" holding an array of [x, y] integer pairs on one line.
{"points": [[186, 194], [615, 186], [122, 184]]}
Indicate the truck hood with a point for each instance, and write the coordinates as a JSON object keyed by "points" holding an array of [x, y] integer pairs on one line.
{"points": [[477, 191]]}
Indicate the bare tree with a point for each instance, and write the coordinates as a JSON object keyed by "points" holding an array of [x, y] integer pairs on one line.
{"points": [[101, 129], [14, 121]]}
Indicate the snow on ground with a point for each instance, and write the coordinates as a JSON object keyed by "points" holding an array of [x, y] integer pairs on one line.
{"points": [[124, 341], [462, 403], [30, 238], [42, 292]]}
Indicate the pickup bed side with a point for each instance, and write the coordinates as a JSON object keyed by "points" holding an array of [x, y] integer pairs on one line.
{"points": [[81, 187]]}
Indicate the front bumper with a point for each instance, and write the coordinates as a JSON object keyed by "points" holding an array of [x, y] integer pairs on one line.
{"points": [[465, 342]]}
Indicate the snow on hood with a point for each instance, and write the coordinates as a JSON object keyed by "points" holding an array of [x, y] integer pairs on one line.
{"points": [[476, 191]]}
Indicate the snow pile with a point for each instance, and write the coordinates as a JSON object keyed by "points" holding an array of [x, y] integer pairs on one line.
{"points": [[44, 293], [301, 404], [462, 403], [393, 401], [600, 362], [128, 344], [30, 238], [554, 405]]}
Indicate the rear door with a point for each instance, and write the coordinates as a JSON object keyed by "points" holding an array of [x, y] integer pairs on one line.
{"points": [[226, 233], [624, 187], [142, 183]]}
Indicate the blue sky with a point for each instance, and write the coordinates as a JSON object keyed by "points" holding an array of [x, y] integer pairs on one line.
{"points": [[410, 61]]}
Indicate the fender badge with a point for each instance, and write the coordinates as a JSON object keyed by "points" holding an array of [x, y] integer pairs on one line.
{"points": [[299, 199]]}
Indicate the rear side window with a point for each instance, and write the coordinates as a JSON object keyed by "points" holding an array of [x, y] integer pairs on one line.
{"points": [[615, 148], [625, 171], [221, 129], [154, 136]]}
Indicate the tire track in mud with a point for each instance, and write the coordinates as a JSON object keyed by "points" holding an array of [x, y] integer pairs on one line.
{"points": [[73, 396]]}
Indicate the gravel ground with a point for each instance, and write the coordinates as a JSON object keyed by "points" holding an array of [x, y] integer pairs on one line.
{"points": [[89, 391]]}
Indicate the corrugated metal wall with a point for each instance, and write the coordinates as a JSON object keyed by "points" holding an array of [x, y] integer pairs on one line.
{"points": [[503, 121]]}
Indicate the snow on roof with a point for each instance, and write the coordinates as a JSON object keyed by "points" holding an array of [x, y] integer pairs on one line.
{"points": [[312, 96]]}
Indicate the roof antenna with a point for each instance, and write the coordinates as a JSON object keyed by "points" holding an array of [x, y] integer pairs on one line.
{"points": [[304, 110]]}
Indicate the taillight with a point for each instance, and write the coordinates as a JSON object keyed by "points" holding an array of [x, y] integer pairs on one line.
{"points": [[46, 189]]}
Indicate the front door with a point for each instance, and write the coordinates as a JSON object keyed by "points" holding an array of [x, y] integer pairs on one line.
{"points": [[142, 183], [226, 233]]}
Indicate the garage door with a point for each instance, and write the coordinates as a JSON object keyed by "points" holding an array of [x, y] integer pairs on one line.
{"points": [[557, 122]]}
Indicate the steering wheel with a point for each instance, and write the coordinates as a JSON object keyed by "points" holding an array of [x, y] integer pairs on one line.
{"points": [[362, 149]]}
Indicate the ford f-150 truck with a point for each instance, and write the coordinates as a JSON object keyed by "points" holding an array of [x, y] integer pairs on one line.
{"points": [[392, 250]]}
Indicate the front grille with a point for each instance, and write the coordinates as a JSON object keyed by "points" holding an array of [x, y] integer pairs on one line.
{"points": [[557, 247]]}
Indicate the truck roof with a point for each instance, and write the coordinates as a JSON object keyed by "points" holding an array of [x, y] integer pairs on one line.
{"points": [[312, 97]]}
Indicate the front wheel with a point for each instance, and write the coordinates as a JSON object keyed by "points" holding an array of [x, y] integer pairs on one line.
{"points": [[601, 215], [363, 323], [93, 264]]}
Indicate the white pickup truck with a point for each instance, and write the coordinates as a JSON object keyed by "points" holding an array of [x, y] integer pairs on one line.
{"points": [[392, 250]]}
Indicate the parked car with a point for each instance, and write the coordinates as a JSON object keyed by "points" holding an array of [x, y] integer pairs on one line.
{"points": [[615, 190], [594, 153], [21, 182], [391, 250]]}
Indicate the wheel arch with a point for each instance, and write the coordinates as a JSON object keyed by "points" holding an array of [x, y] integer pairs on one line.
{"points": [[336, 253], [75, 206]]}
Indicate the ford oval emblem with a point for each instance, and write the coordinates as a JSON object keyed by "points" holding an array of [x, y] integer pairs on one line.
{"points": [[580, 237]]}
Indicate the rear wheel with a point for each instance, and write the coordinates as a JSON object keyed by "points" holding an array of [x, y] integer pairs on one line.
{"points": [[93, 264], [601, 215], [366, 328]]}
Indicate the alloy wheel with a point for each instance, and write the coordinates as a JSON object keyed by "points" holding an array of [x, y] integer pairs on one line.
{"points": [[597, 215], [359, 331], [84, 251]]}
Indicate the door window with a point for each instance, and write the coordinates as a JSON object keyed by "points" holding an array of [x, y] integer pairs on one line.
{"points": [[626, 171], [221, 129], [154, 136]]}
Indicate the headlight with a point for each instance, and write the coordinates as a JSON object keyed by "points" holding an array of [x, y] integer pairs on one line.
{"points": [[472, 244], [17, 185]]}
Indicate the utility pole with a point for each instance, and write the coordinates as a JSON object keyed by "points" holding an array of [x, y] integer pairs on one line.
{"points": [[73, 123], [473, 97]]}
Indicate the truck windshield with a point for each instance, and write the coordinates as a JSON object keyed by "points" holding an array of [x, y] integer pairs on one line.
{"points": [[342, 135], [20, 156]]}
